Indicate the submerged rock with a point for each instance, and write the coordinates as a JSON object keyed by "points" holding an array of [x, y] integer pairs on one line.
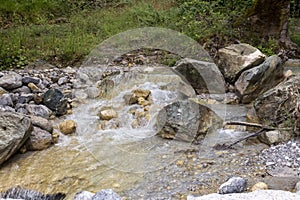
{"points": [[108, 114], [257, 80], [233, 185], [14, 131], [236, 58], [25, 194], [68, 127], [204, 77], [186, 120]]}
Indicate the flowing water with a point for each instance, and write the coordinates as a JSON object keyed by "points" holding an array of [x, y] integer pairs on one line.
{"points": [[133, 161]]}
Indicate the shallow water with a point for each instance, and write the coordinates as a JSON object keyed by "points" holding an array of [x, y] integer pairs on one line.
{"points": [[133, 161]]}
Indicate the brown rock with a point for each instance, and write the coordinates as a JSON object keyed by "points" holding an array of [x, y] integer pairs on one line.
{"points": [[141, 93], [68, 127], [259, 186], [108, 114], [33, 87]]}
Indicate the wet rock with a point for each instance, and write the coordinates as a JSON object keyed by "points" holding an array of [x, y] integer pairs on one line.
{"points": [[236, 58], [84, 195], [233, 185], [28, 79], [141, 93], [258, 194], [25, 194], [259, 186], [68, 127], [257, 80], [42, 123], [105, 86], [108, 114], [5, 100], [93, 92], [186, 120], [204, 77], [39, 139], [277, 104], [107, 194], [11, 81], [14, 131], [54, 99], [38, 110]]}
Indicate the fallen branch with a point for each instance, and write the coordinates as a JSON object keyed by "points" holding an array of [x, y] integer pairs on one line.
{"points": [[262, 129], [267, 128]]}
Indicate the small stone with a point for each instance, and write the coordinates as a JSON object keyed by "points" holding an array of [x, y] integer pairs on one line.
{"points": [[93, 92], [55, 137], [68, 127], [83, 195], [108, 114], [42, 123], [62, 80], [33, 87], [141, 93], [38, 110], [233, 185], [107, 194], [38, 140], [11, 81], [288, 73], [259, 186], [27, 79], [5, 100]]}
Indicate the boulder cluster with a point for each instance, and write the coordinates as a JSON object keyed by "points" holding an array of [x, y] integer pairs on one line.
{"points": [[29, 99]]}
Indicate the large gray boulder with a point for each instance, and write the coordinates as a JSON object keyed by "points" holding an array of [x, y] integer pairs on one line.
{"points": [[11, 81], [14, 131], [205, 77], [257, 194], [186, 120], [279, 105], [236, 58], [259, 79]]}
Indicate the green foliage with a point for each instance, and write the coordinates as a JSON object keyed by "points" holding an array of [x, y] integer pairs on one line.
{"points": [[269, 48], [202, 19]]}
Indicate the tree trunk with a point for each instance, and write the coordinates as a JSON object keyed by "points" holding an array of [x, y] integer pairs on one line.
{"points": [[269, 19]]}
